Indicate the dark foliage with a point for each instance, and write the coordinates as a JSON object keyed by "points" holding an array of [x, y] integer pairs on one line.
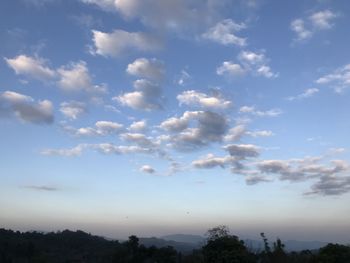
{"points": [[221, 247]]}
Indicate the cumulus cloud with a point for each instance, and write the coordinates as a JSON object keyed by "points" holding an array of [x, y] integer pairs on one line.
{"points": [[208, 127], [147, 169], [252, 110], [101, 128], [229, 68], [138, 126], [300, 170], [242, 151], [34, 67], [250, 62], [298, 26], [146, 97], [235, 133], [178, 16], [119, 41], [147, 68], [308, 93], [195, 98], [331, 185], [339, 79], [224, 33], [210, 161], [73, 109], [323, 19], [25, 108], [75, 77], [305, 28], [257, 63]]}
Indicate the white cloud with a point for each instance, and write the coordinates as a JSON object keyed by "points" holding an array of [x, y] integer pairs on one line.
{"points": [[224, 33], [102, 128], [104, 4], [147, 68], [34, 67], [72, 152], [338, 79], [251, 62], [323, 19], [308, 93], [230, 68], [147, 169], [298, 26], [251, 58], [257, 63], [210, 161], [119, 41], [75, 77], [208, 127], [25, 108], [262, 133], [235, 133], [195, 98], [305, 28], [184, 77], [179, 16], [253, 111], [73, 109], [138, 126], [146, 97]]}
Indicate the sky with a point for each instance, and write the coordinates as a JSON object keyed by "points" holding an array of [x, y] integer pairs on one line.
{"points": [[154, 117]]}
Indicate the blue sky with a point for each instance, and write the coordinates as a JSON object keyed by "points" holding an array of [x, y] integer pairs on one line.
{"points": [[155, 117]]}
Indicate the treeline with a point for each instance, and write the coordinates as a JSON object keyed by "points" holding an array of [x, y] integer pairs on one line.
{"points": [[221, 247]]}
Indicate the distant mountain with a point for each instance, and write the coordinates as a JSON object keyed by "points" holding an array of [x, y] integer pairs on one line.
{"points": [[158, 242], [193, 239], [196, 241], [290, 245]]}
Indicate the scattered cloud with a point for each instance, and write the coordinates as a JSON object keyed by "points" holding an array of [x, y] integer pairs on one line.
{"points": [[184, 78], [208, 127], [44, 188], [138, 126], [229, 68], [305, 28], [75, 77], [195, 98], [175, 16], [25, 108], [33, 67], [253, 111], [101, 128], [339, 79], [224, 33], [250, 62], [147, 96], [210, 161], [147, 68], [71, 152], [306, 94], [73, 109], [147, 169], [119, 41]]}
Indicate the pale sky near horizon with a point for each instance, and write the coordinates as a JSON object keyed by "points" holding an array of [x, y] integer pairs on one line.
{"points": [[155, 117]]}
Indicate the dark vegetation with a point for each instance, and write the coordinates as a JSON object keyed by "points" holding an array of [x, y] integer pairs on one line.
{"points": [[221, 247]]}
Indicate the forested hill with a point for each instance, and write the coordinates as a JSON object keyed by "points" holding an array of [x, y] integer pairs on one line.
{"points": [[68, 246]]}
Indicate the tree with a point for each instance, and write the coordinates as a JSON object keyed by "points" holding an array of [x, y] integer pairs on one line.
{"points": [[225, 248]]}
